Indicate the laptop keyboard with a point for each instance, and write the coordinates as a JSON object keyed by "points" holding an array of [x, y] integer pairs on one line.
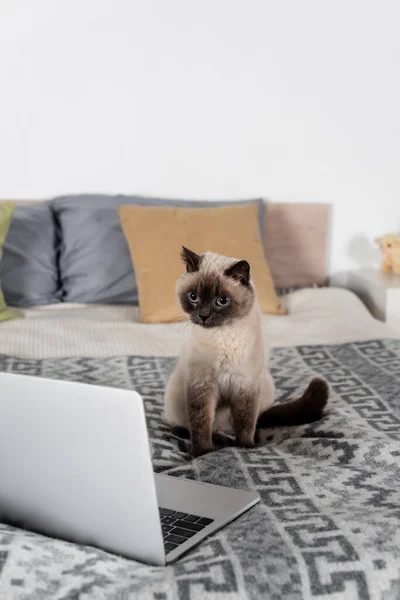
{"points": [[177, 527]]}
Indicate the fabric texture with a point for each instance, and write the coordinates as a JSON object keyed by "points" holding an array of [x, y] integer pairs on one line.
{"points": [[6, 211], [29, 265], [327, 525], [315, 316], [95, 263], [155, 236], [296, 243], [282, 291]]}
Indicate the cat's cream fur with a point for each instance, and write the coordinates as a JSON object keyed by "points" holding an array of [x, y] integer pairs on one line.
{"points": [[235, 356], [222, 380], [232, 354]]}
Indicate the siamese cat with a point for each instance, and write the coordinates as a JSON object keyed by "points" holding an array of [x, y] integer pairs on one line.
{"points": [[222, 380]]}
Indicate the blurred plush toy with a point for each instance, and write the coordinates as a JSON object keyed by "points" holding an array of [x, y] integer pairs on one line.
{"points": [[390, 247]]}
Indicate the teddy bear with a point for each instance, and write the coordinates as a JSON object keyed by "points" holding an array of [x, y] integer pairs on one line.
{"points": [[390, 247]]}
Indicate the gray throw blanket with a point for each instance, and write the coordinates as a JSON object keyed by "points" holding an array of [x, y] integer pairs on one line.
{"points": [[328, 522]]}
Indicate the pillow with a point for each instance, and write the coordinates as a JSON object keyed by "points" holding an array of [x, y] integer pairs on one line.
{"points": [[6, 211], [29, 265], [95, 263], [283, 291], [296, 243], [155, 237]]}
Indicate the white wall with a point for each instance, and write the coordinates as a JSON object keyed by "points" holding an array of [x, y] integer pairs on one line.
{"points": [[297, 101]]}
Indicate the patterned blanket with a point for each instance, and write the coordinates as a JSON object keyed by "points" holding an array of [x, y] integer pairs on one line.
{"points": [[328, 524]]}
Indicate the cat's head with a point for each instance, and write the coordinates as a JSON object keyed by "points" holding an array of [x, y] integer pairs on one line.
{"points": [[215, 290]]}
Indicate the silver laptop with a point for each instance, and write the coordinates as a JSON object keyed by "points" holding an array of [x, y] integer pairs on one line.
{"points": [[75, 463]]}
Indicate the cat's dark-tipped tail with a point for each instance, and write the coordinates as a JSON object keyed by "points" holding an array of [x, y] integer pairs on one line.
{"points": [[304, 410]]}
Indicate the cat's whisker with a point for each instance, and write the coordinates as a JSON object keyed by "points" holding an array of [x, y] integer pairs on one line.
{"points": [[178, 320]]}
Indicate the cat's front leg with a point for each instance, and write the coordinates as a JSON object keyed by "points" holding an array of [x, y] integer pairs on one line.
{"points": [[244, 413], [201, 404]]}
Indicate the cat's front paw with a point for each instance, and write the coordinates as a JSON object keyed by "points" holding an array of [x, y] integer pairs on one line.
{"points": [[245, 441], [200, 451], [246, 445]]}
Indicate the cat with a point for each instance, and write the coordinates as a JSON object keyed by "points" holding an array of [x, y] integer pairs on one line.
{"points": [[222, 380]]}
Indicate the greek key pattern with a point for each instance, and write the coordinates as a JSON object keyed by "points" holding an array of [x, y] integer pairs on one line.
{"points": [[326, 525]]}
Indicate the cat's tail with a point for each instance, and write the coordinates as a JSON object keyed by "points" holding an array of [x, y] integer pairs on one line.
{"points": [[304, 410]]}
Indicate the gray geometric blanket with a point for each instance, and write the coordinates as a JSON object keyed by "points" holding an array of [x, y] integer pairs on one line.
{"points": [[327, 526]]}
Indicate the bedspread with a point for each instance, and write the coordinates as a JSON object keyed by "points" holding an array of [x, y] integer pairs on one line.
{"points": [[328, 522], [315, 316]]}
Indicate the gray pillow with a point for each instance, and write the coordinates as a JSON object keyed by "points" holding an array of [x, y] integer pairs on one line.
{"points": [[29, 274], [95, 264]]}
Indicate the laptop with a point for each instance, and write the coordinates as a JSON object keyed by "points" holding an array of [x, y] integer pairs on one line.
{"points": [[75, 463]]}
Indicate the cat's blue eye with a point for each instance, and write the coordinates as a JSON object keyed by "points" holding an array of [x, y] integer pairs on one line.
{"points": [[222, 301], [193, 297]]}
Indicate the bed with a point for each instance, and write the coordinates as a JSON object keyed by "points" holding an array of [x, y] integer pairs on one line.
{"points": [[327, 525]]}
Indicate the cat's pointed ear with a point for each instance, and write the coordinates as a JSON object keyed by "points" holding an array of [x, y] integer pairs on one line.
{"points": [[191, 260], [240, 271]]}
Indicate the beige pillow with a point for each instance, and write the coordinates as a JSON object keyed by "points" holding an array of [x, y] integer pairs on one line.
{"points": [[155, 236]]}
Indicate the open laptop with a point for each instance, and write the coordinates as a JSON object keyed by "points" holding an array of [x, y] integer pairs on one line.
{"points": [[75, 464]]}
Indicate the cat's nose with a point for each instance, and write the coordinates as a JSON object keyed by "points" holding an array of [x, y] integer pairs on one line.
{"points": [[204, 318]]}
